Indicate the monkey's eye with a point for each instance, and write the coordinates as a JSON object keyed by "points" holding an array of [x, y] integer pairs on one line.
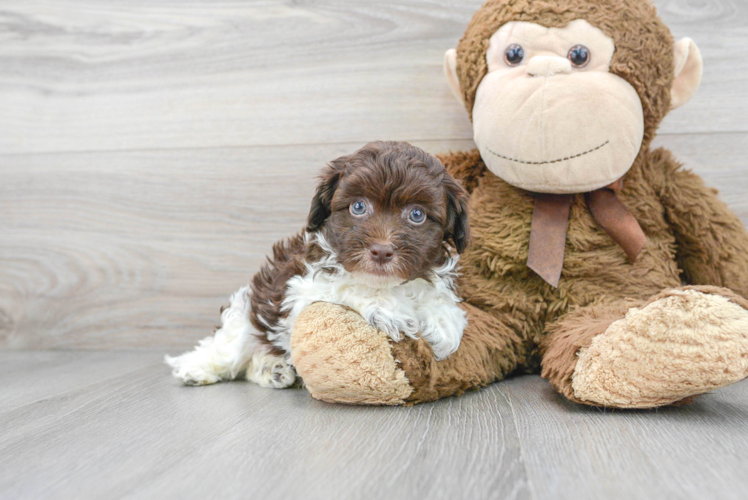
{"points": [[358, 208], [514, 54], [417, 216], [579, 55]]}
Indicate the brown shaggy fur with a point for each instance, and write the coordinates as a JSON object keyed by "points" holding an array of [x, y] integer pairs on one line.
{"points": [[489, 349], [578, 328], [693, 238], [567, 337], [517, 321]]}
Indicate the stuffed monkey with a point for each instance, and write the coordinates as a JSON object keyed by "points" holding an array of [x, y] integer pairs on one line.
{"points": [[596, 261]]}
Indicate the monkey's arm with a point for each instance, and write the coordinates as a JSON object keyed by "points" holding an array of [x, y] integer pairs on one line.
{"points": [[712, 242], [465, 166]]}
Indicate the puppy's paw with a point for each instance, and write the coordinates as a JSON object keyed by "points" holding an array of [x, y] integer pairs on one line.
{"points": [[395, 327], [267, 370], [282, 374], [191, 370], [443, 331], [384, 322]]}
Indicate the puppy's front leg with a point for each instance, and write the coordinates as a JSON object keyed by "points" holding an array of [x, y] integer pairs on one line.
{"points": [[224, 355], [442, 327]]}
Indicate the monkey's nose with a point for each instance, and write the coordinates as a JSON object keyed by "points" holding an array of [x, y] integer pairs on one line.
{"points": [[548, 66], [381, 254]]}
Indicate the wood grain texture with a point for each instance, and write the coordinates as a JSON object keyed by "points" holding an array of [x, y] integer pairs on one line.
{"points": [[142, 435], [140, 249], [94, 75], [32, 376], [152, 151], [139, 434], [576, 452]]}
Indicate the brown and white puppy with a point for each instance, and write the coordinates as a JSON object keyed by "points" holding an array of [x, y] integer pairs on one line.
{"points": [[381, 238]]}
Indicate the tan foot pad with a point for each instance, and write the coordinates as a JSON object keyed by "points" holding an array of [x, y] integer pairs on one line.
{"points": [[343, 359], [683, 344]]}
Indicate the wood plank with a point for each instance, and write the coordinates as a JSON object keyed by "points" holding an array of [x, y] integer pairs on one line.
{"points": [[144, 436], [140, 249], [30, 376], [93, 75], [577, 453]]}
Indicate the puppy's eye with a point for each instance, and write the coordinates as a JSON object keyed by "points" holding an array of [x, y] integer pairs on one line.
{"points": [[579, 55], [358, 208], [514, 54], [417, 216]]}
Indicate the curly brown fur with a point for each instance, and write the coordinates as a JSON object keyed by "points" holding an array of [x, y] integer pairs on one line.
{"points": [[391, 177], [712, 244], [269, 284]]}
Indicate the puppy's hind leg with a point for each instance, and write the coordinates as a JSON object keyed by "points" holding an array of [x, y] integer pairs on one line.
{"points": [[270, 370], [224, 355]]}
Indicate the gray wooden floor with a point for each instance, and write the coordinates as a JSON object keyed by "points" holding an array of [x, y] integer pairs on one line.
{"points": [[116, 425], [151, 151]]}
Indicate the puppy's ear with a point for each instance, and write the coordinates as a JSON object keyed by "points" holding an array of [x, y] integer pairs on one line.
{"points": [[457, 229], [321, 203]]}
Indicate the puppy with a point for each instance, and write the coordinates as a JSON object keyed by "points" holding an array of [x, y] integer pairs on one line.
{"points": [[382, 237]]}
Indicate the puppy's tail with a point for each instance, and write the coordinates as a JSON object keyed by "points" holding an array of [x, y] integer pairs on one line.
{"points": [[227, 353]]}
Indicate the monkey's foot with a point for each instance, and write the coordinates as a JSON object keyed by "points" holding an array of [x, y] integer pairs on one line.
{"points": [[683, 343]]}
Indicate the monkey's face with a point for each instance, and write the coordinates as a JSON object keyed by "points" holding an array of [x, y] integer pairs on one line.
{"points": [[549, 116], [564, 95]]}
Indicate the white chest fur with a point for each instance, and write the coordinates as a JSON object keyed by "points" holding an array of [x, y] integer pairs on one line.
{"points": [[415, 308]]}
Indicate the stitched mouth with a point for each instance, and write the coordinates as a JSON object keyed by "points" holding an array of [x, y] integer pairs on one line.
{"points": [[549, 161]]}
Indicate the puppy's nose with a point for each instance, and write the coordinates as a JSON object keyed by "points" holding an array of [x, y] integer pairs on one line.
{"points": [[381, 253]]}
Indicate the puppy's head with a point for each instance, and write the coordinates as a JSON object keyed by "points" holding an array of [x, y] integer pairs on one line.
{"points": [[388, 210]]}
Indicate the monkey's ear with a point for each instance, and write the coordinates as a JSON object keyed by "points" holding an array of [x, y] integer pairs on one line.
{"points": [[322, 200], [450, 71], [458, 227], [688, 70]]}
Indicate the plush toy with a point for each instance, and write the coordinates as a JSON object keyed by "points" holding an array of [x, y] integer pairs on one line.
{"points": [[594, 259]]}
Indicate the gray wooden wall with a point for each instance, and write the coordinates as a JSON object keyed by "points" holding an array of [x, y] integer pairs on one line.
{"points": [[151, 151]]}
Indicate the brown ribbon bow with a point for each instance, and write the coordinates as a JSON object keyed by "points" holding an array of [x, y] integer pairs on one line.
{"points": [[550, 218]]}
